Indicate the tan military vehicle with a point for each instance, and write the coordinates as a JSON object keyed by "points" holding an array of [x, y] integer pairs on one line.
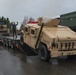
{"points": [[3, 28], [50, 39]]}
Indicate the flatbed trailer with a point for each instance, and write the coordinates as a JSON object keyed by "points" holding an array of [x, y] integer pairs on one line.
{"points": [[10, 42]]}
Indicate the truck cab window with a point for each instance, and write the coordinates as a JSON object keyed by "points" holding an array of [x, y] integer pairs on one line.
{"points": [[26, 29], [32, 32]]}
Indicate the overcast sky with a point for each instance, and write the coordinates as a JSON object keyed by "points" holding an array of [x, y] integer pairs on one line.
{"points": [[17, 9]]}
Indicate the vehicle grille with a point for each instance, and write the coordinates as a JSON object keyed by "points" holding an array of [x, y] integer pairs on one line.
{"points": [[67, 46]]}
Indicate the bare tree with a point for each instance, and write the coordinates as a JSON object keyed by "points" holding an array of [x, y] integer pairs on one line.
{"points": [[31, 19], [25, 21]]}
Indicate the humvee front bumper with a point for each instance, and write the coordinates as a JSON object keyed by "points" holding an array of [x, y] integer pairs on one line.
{"points": [[62, 53]]}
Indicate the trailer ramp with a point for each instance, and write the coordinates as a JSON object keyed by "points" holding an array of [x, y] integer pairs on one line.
{"points": [[26, 49]]}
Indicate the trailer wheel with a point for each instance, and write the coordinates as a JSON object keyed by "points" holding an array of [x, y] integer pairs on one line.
{"points": [[44, 54], [12, 44], [4, 42], [7, 44]]}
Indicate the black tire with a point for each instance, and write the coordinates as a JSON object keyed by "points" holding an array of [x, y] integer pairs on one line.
{"points": [[44, 54], [7, 44], [12, 45], [4, 42]]}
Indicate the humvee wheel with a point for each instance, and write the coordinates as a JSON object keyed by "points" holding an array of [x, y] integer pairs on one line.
{"points": [[44, 54]]}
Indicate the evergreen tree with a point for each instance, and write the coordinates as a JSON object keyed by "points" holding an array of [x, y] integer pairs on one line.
{"points": [[6, 21], [21, 27]]}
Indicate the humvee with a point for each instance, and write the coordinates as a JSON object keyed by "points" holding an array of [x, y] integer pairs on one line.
{"points": [[3, 28], [50, 39]]}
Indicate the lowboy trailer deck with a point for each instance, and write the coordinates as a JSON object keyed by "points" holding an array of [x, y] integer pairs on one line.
{"points": [[10, 42]]}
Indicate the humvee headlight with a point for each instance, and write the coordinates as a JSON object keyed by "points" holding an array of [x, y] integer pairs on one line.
{"points": [[53, 44]]}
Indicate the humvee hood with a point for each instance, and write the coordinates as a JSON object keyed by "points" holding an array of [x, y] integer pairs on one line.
{"points": [[61, 34]]}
